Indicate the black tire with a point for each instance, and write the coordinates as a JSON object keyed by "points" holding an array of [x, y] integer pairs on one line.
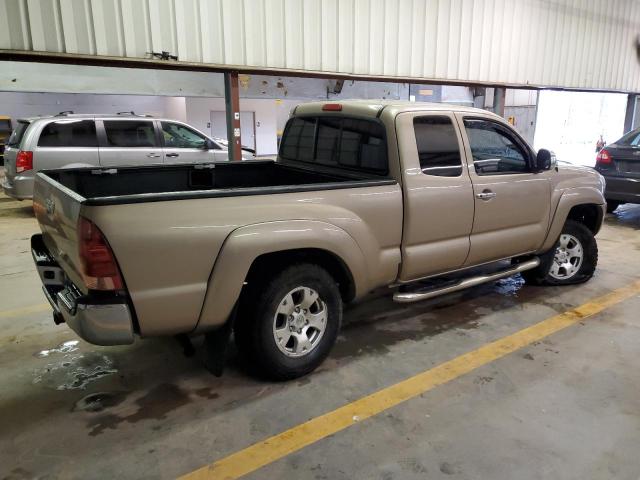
{"points": [[254, 333], [541, 275], [612, 205]]}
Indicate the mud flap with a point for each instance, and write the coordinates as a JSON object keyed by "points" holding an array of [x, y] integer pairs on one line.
{"points": [[216, 344]]}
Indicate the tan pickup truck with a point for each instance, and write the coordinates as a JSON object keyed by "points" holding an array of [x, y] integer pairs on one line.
{"points": [[423, 198]]}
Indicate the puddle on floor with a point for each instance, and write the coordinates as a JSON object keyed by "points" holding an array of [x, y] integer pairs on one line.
{"points": [[509, 286], [75, 371], [69, 346], [97, 402]]}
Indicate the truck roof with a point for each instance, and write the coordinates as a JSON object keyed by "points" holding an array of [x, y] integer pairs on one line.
{"points": [[373, 108]]}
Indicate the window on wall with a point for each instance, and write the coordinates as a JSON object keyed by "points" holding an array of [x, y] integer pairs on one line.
{"points": [[69, 133], [130, 133], [336, 141], [495, 150], [438, 148]]}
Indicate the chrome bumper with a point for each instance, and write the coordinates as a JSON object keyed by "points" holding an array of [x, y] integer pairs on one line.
{"points": [[101, 319]]}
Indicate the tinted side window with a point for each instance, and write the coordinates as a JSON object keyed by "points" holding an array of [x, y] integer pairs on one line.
{"points": [[438, 147], [494, 149], [69, 133], [179, 136], [298, 141], [130, 133], [336, 141]]}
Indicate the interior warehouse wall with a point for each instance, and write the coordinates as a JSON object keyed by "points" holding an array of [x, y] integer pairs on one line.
{"points": [[562, 43], [28, 104]]}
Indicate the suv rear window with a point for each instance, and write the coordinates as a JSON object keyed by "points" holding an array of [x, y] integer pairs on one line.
{"points": [[336, 141], [16, 137], [69, 133], [130, 133]]}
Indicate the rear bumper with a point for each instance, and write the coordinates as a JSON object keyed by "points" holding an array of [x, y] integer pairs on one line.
{"points": [[100, 318], [623, 189], [20, 188]]}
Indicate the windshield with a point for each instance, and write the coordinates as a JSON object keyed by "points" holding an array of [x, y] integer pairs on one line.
{"points": [[16, 137], [630, 139]]}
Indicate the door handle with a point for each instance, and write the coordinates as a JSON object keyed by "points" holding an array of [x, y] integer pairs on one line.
{"points": [[486, 195], [172, 155], [153, 155]]}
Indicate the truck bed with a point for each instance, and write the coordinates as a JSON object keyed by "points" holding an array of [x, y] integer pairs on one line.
{"points": [[109, 186]]}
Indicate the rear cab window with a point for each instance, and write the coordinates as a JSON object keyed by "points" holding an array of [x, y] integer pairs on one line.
{"points": [[15, 140], [69, 133], [336, 141], [438, 147]]}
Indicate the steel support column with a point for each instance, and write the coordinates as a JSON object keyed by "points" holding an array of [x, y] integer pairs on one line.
{"points": [[499, 94], [232, 107], [630, 120]]}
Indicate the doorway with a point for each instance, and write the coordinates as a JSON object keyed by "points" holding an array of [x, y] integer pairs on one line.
{"points": [[247, 127]]}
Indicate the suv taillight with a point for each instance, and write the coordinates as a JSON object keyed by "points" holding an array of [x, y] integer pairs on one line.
{"points": [[603, 158], [24, 161], [99, 268]]}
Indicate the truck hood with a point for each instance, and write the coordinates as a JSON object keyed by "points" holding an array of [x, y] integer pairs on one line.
{"points": [[571, 176]]}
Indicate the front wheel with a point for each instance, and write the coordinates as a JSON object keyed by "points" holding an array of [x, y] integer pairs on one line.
{"points": [[287, 326], [572, 260]]}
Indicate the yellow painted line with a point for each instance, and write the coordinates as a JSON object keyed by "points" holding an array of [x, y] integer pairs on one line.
{"points": [[274, 448], [25, 310]]}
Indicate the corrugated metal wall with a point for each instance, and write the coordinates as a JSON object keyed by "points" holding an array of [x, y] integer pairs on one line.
{"points": [[587, 44]]}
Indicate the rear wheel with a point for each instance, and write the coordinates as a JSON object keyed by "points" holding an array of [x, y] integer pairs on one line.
{"points": [[288, 324], [612, 205], [572, 260]]}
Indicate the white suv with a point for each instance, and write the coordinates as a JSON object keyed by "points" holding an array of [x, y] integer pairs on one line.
{"points": [[69, 140]]}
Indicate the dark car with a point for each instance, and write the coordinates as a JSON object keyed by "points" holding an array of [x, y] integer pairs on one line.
{"points": [[619, 163]]}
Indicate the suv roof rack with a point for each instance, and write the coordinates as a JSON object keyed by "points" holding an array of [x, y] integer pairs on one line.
{"points": [[66, 112], [132, 113]]}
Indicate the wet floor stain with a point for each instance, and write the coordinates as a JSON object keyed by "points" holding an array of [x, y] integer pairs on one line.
{"points": [[206, 392], [156, 404], [75, 371], [99, 401], [69, 346]]}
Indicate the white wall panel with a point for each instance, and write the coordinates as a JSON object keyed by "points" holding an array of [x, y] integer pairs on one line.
{"points": [[587, 44]]}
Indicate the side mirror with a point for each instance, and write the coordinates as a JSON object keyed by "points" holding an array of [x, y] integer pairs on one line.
{"points": [[208, 144], [544, 160]]}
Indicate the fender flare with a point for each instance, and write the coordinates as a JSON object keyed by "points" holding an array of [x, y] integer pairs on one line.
{"points": [[245, 244], [568, 200]]}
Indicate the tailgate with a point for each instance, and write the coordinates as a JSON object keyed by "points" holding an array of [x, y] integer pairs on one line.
{"points": [[57, 209]]}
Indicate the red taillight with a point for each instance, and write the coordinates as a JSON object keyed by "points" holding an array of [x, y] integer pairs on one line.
{"points": [[99, 268], [603, 158], [332, 107], [24, 161]]}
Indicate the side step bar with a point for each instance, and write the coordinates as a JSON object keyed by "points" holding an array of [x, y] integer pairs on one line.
{"points": [[416, 296]]}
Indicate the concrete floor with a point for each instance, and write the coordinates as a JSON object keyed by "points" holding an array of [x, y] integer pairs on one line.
{"points": [[567, 407]]}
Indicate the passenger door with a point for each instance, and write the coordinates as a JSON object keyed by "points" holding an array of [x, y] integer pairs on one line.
{"points": [[512, 204], [185, 145], [128, 142], [438, 201]]}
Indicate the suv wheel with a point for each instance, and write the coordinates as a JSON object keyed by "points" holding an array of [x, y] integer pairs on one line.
{"points": [[572, 260], [291, 324]]}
